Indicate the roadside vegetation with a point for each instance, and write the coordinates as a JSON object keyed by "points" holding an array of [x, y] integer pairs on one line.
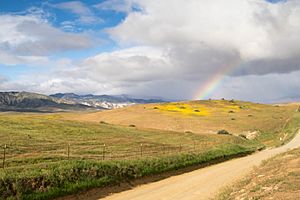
{"points": [[278, 177], [49, 155], [45, 181]]}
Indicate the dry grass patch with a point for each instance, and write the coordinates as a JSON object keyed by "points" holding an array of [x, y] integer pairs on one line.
{"points": [[201, 117], [276, 178]]}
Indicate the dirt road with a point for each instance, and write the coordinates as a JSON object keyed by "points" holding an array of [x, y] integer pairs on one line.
{"points": [[203, 183]]}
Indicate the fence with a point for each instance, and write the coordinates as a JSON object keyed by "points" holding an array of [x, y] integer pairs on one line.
{"points": [[17, 156]]}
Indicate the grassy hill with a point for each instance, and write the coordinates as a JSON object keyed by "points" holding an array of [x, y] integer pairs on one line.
{"points": [[202, 117], [139, 141]]}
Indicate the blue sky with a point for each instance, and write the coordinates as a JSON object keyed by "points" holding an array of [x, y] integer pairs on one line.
{"points": [[68, 20], [151, 47]]}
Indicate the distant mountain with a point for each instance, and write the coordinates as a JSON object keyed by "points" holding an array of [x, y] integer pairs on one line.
{"points": [[32, 102], [106, 101]]}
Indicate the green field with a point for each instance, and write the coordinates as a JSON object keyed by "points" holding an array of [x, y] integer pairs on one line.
{"points": [[32, 138], [37, 158]]}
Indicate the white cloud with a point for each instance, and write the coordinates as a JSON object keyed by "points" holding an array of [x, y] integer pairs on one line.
{"points": [[172, 47], [30, 38], [254, 28], [9, 59], [86, 15], [117, 5]]}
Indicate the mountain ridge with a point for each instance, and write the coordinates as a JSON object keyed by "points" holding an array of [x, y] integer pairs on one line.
{"points": [[35, 102], [106, 101]]}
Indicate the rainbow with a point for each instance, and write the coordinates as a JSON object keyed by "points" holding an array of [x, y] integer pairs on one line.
{"points": [[216, 80]]}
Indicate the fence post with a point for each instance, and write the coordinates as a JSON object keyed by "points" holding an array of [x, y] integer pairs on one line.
{"points": [[103, 152], [4, 155], [141, 149], [68, 151]]}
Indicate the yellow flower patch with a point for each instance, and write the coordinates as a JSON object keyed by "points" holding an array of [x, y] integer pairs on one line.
{"points": [[185, 109]]}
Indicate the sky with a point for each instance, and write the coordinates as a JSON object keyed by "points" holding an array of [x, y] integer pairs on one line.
{"points": [[175, 49]]}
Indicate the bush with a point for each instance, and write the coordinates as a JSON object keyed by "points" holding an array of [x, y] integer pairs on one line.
{"points": [[223, 132], [188, 132], [155, 108], [131, 125], [196, 110], [243, 136], [231, 111]]}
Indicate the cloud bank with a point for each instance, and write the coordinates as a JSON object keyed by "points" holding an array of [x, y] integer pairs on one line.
{"points": [[172, 47]]}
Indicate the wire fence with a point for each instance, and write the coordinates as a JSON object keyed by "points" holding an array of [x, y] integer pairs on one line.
{"points": [[25, 155]]}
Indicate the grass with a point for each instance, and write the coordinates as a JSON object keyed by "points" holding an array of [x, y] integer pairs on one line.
{"points": [[277, 177], [37, 165], [213, 116], [33, 138], [67, 177], [281, 136]]}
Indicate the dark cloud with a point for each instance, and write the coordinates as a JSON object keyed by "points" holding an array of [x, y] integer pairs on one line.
{"points": [[267, 66]]}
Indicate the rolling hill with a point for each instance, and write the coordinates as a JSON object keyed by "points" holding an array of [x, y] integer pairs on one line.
{"points": [[200, 117]]}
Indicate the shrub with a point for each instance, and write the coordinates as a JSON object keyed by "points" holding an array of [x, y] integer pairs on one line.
{"points": [[223, 132], [243, 136], [196, 110], [230, 111], [188, 132], [232, 118], [155, 108], [131, 125], [231, 101]]}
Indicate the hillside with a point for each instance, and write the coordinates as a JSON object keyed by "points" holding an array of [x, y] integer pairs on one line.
{"points": [[51, 155], [201, 117], [33, 102], [277, 177], [106, 101]]}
